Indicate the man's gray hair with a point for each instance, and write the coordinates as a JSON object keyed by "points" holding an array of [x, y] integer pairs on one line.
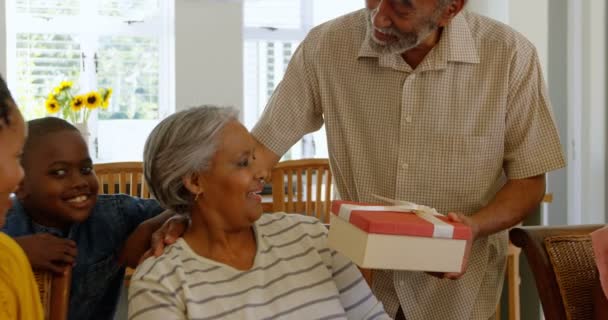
{"points": [[179, 146]]}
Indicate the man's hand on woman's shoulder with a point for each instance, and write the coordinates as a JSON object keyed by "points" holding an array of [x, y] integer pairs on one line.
{"points": [[167, 234]]}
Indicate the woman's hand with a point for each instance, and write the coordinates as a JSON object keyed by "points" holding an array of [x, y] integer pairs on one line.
{"points": [[48, 252]]}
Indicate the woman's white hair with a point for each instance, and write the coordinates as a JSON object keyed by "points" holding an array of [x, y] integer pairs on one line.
{"points": [[179, 146]]}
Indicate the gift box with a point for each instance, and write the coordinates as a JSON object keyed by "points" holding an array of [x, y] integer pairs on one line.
{"points": [[397, 237]]}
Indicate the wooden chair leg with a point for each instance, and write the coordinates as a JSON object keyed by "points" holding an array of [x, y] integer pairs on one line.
{"points": [[513, 281]]}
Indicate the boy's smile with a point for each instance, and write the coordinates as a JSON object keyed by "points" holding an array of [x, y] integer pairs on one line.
{"points": [[60, 187]]}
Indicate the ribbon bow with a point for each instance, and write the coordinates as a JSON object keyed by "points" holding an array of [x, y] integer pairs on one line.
{"points": [[441, 229]]}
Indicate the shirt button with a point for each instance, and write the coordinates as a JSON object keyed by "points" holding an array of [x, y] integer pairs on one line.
{"points": [[408, 118], [401, 283], [412, 76], [405, 166]]}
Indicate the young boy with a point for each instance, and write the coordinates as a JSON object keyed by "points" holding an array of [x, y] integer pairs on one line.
{"points": [[59, 219], [19, 297]]}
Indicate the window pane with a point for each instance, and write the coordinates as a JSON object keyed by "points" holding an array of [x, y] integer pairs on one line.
{"points": [[265, 63], [324, 10], [272, 13], [129, 9], [48, 7], [42, 62], [130, 66]]}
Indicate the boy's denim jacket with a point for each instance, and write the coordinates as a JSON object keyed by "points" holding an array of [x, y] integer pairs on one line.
{"points": [[97, 277]]}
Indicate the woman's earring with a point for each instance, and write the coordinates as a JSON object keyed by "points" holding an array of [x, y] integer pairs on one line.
{"points": [[196, 196]]}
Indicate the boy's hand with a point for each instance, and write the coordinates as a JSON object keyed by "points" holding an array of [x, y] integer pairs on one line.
{"points": [[48, 252], [167, 234]]}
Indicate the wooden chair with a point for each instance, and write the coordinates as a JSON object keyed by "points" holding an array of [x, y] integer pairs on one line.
{"points": [[292, 187], [513, 278], [561, 259], [122, 177], [298, 197], [54, 293]]}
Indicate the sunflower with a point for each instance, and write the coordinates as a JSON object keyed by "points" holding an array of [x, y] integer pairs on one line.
{"points": [[52, 105], [77, 103], [93, 99], [106, 98], [62, 86], [65, 85]]}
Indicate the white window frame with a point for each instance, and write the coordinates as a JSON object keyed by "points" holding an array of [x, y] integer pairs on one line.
{"points": [[278, 34], [89, 32], [283, 35], [25, 23]]}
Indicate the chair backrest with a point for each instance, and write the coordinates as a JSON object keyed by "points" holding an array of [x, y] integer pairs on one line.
{"points": [[563, 265], [302, 186], [54, 293], [122, 177]]}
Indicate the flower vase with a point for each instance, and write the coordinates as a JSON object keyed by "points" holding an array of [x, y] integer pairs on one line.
{"points": [[84, 130]]}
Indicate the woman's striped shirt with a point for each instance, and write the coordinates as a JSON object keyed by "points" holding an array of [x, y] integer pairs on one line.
{"points": [[294, 276]]}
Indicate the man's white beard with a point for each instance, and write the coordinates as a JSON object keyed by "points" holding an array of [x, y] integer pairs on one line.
{"points": [[405, 42]]}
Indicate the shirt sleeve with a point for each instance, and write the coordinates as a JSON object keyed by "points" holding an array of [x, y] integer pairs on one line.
{"points": [[16, 223], [294, 108], [532, 144], [19, 298], [151, 301], [137, 210], [355, 295]]}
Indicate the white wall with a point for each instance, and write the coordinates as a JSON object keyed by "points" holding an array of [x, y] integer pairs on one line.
{"points": [[531, 18], [495, 9], [208, 53], [594, 112]]}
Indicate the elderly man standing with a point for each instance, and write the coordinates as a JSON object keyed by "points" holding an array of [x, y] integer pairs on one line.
{"points": [[425, 102]]}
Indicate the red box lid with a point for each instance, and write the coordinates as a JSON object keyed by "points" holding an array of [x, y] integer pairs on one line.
{"points": [[396, 223]]}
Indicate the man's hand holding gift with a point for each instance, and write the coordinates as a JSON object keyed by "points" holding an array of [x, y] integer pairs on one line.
{"points": [[469, 221]]}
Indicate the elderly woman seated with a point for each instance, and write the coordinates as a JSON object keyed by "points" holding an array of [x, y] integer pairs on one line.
{"points": [[234, 262]]}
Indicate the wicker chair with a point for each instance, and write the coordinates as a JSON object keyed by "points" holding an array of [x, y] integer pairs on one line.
{"points": [[54, 293], [562, 261]]}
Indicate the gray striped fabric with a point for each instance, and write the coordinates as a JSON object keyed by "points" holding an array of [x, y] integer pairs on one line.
{"points": [[294, 276]]}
